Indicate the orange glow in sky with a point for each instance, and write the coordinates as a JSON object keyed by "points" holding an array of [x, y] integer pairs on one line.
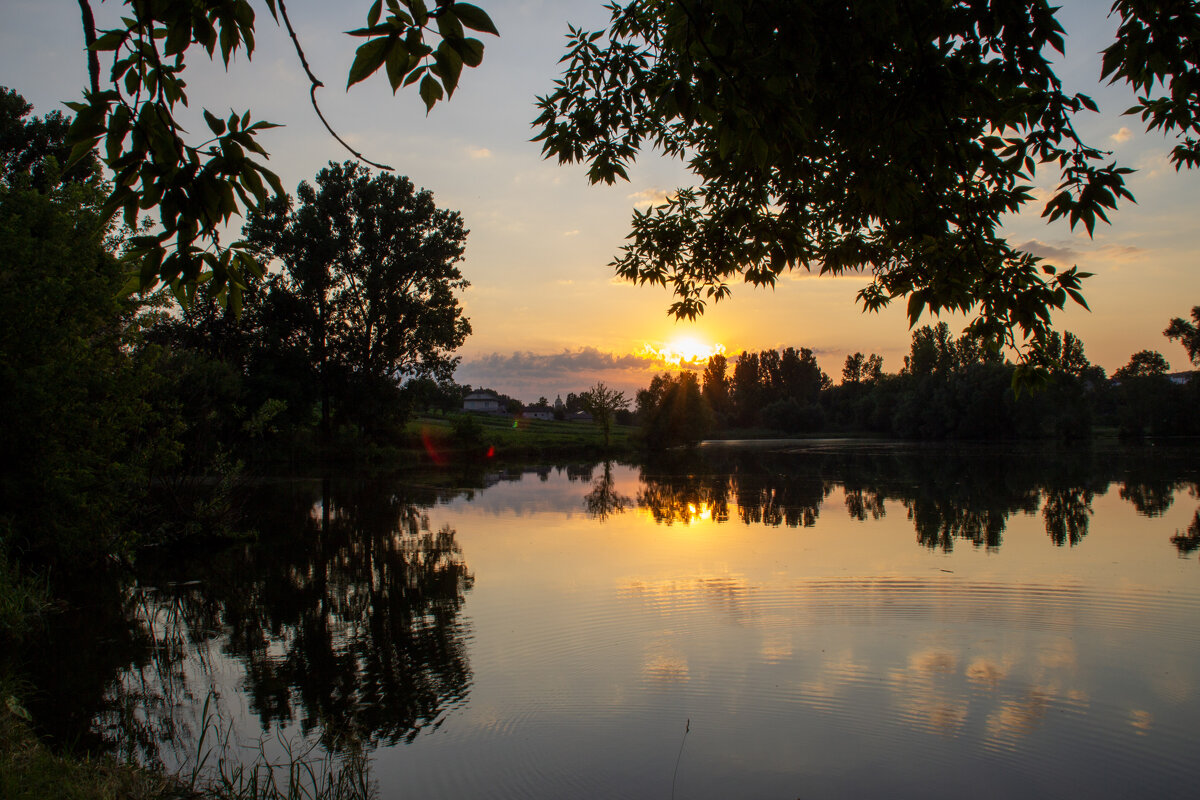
{"points": [[682, 352]]}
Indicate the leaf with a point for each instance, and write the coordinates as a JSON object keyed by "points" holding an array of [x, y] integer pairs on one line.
{"points": [[448, 25], [374, 12], [431, 92], [215, 124], [470, 50], [397, 64], [475, 18], [368, 58]]}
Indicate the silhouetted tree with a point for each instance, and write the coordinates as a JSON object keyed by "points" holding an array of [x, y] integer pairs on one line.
{"points": [[603, 403], [1188, 334], [370, 268]]}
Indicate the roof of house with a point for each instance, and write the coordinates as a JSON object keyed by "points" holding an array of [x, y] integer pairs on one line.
{"points": [[483, 394]]}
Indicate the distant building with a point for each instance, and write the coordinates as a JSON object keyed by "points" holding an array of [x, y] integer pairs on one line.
{"points": [[484, 402], [580, 416], [1182, 378], [538, 412]]}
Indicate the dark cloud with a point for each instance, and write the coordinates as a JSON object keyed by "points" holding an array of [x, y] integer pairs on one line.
{"points": [[537, 365], [1062, 255]]}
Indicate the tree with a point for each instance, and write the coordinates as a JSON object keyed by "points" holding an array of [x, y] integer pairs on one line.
{"points": [[874, 369], [855, 368], [674, 411], [369, 273], [890, 137], [1143, 364], [1188, 333], [716, 384], [75, 386], [747, 388], [198, 187], [603, 403]]}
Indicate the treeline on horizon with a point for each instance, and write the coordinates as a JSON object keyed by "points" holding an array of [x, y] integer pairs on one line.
{"points": [[948, 388]]}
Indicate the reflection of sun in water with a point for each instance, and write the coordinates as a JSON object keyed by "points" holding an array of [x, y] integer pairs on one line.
{"points": [[686, 351], [701, 512]]}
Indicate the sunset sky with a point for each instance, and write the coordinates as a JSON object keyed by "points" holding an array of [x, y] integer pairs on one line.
{"points": [[548, 315]]}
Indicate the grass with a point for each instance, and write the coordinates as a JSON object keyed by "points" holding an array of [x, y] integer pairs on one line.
{"points": [[509, 436], [31, 771]]}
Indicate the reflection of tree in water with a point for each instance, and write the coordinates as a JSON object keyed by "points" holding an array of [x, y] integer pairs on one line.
{"points": [[692, 489], [604, 499], [1066, 513], [1188, 541], [795, 502], [345, 617], [861, 502], [939, 524], [1150, 498], [951, 498], [685, 499], [950, 494]]}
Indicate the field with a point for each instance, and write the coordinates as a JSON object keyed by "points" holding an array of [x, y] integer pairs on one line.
{"points": [[512, 436]]}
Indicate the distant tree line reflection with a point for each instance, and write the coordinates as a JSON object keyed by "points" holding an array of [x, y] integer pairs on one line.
{"points": [[950, 495]]}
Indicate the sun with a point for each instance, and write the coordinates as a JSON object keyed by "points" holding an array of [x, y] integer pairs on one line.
{"points": [[682, 351]]}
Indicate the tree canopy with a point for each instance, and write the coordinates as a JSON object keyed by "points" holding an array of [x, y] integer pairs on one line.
{"points": [[1188, 333], [874, 136], [198, 184], [368, 281]]}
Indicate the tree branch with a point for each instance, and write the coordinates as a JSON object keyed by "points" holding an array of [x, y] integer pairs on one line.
{"points": [[89, 37], [316, 84]]}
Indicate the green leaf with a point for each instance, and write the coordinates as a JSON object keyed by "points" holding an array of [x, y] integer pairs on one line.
{"points": [[475, 18], [469, 50], [368, 58], [397, 64], [374, 12], [431, 92], [215, 124], [448, 25], [420, 12]]}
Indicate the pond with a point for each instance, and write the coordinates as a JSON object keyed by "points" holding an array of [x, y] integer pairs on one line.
{"points": [[774, 620]]}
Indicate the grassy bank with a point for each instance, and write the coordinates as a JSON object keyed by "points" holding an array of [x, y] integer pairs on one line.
{"points": [[506, 436], [31, 771]]}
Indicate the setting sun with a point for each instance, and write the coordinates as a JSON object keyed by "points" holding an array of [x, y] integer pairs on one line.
{"points": [[682, 352]]}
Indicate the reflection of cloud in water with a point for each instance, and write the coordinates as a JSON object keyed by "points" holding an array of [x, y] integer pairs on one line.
{"points": [[924, 697], [1141, 721], [665, 665], [1059, 655], [834, 676], [937, 684], [1018, 717], [776, 646], [985, 672], [931, 661], [727, 593]]}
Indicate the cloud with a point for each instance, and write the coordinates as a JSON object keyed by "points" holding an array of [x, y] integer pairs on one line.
{"points": [[547, 365], [479, 152], [649, 197], [1123, 135], [1154, 165], [1120, 252], [574, 232], [1040, 249]]}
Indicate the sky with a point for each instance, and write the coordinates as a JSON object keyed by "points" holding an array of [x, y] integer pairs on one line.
{"points": [[548, 315]]}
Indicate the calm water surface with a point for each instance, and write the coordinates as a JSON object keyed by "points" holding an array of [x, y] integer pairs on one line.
{"points": [[780, 621]]}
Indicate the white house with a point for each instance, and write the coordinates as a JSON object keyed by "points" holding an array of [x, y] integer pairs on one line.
{"points": [[538, 412], [484, 402]]}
